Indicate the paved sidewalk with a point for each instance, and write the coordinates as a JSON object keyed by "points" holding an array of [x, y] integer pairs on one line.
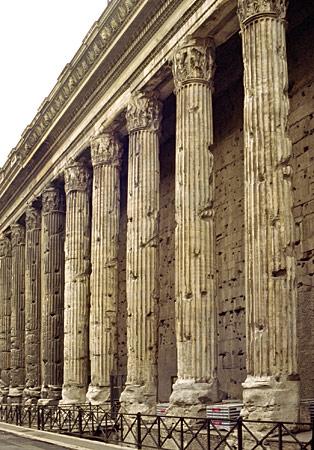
{"points": [[15, 438]]}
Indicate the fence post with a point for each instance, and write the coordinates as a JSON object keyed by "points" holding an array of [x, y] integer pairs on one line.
{"points": [[139, 430], [181, 433], [312, 444], [158, 427], [280, 436], [80, 420], [240, 434], [208, 433]]}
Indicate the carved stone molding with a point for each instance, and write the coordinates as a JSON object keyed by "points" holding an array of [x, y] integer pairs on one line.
{"points": [[32, 218], [106, 149], [76, 177], [143, 112], [194, 61], [5, 246], [17, 235], [52, 200], [249, 9]]}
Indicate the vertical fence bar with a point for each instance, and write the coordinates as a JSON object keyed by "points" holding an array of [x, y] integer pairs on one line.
{"points": [[240, 433], [181, 433], [280, 436], [80, 420], [139, 430], [208, 433], [158, 430], [312, 443]]}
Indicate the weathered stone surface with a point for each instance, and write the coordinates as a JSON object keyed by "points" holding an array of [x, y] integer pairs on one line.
{"points": [[195, 240], [271, 390], [143, 121], [32, 304], [5, 315], [77, 283], [17, 372], [106, 155], [53, 225]]}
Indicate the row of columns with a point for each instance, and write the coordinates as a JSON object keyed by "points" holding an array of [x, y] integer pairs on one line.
{"points": [[270, 264]]}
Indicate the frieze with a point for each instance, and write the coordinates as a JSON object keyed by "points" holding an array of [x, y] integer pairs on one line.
{"points": [[143, 112], [52, 200], [76, 177], [32, 218], [5, 247], [17, 234], [194, 61], [106, 149], [77, 72], [248, 9]]}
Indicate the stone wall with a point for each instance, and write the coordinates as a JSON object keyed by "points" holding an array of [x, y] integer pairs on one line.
{"points": [[167, 357], [229, 218], [301, 81]]}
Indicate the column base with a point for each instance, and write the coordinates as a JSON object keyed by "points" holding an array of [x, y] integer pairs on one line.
{"points": [[15, 395], [266, 398], [50, 395], [138, 399], [31, 395], [190, 398], [4, 392], [98, 395], [72, 395]]}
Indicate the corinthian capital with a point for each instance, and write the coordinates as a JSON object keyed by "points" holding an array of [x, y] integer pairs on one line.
{"points": [[106, 150], [33, 218], [143, 112], [5, 246], [17, 234], [249, 9], [52, 200], [76, 177], [194, 61]]}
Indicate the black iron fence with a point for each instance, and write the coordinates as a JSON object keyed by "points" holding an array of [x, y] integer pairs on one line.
{"points": [[164, 432]]}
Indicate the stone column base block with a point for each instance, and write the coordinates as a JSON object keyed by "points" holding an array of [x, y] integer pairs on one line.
{"points": [[15, 395], [73, 395], [266, 398], [4, 392], [190, 398], [50, 395], [97, 395], [138, 399], [31, 395]]}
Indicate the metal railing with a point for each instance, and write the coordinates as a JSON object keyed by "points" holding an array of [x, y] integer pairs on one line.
{"points": [[164, 432]]}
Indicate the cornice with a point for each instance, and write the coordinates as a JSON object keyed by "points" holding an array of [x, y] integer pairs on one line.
{"points": [[73, 76]]}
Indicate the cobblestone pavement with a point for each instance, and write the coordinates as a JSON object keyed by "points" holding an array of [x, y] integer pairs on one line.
{"points": [[10, 441]]}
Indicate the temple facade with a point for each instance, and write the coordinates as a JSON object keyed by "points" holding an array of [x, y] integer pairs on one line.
{"points": [[156, 217]]}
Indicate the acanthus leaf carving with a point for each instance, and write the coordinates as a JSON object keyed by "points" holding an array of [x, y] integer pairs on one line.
{"points": [[5, 247], [76, 177], [248, 9], [17, 234], [32, 218], [144, 112], [106, 149], [194, 60], [52, 200]]}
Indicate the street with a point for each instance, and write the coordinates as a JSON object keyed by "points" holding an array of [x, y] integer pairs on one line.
{"points": [[10, 441]]}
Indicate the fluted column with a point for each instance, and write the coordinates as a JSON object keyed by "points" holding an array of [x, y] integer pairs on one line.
{"points": [[5, 315], [77, 283], [271, 390], [106, 153], [143, 122], [32, 304], [53, 225], [193, 68], [17, 373]]}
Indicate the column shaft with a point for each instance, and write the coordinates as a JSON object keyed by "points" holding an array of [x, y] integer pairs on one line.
{"points": [[32, 304], [106, 152], [17, 373], [143, 119], [5, 315], [269, 240], [77, 285], [194, 237], [53, 224]]}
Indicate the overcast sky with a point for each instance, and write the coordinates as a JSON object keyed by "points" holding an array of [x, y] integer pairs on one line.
{"points": [[37, 39]]}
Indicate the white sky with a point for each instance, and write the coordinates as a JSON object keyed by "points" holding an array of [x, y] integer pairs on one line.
{"points": [[37, 39]]}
